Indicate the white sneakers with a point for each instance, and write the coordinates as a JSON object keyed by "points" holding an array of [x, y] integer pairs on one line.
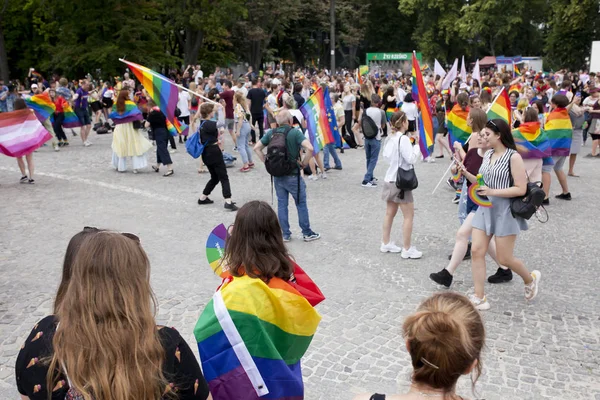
{"points": [[411, 253], [87, 143], [392, 248], [313, 177], [480, 304], [531, 290]]}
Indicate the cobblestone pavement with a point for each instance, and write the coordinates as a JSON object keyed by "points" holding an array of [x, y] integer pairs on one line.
{"points": [[548, 349]]}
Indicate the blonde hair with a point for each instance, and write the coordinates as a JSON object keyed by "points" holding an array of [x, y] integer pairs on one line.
{"points": [[445, 337], [398, 118], [366, 90], [522, 104], [478, 119], [107, 340], [240, 99]]}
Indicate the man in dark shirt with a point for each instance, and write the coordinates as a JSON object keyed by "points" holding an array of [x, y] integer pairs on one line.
{"points": [[227, 96], [297, 96], [256, 97]]}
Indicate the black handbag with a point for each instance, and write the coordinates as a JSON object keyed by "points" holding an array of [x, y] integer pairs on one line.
{"points": [[405, 180], [525, 206]]}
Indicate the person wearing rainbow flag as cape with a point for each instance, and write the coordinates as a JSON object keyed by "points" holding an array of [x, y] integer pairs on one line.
{"points": [[261, 320]]}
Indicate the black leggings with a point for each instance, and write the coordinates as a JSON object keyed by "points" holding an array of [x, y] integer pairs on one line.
{"points": [[59, 118], [260, 119], [213, 159], [348, 121]]}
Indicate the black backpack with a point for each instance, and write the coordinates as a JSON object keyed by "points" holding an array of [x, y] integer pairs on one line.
{"points": [[526, 206], [369, 128], [277, 160]]}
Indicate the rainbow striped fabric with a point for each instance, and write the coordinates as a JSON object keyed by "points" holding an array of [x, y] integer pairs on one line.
{"points": [[163, 92], [251, 337], [531, 141], [21, 133], [458, 129], [500, 108], [132, 113], [71, 120], [319, 120], [559, 131], [42, 105], [420, 97]]}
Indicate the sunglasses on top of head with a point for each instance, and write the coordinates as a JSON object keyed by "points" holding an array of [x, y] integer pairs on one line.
{"points": [[126, 234]]}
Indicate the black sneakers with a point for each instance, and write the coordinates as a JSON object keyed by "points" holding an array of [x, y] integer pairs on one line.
{"points": [[205, 201], [546, 202], [467, 254], [564, 196], [231, 206], [501, 276], [442, 278]]}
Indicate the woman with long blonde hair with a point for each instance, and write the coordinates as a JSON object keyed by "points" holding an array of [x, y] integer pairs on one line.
{"points": [[103, 342]]}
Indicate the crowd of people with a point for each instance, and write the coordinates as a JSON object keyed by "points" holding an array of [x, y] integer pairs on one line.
{"points": [[260, 112]]}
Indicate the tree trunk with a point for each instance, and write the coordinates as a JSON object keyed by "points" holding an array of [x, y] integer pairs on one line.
{"points": [[4, 71], [352, 55], [193, 42], [255, 58]]}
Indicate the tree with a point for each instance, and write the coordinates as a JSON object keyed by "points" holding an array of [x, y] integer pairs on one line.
{"points": [[388, 30], [353, 22], [4, 71], [573, 26]]}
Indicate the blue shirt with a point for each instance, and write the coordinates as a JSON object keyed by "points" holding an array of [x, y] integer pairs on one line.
{"points": [[3, 93]]}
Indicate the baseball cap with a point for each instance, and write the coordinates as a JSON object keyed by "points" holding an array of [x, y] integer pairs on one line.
{"points": [[34, 86], [276, 81]]}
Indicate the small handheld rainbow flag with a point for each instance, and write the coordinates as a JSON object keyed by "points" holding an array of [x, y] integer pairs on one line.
{"points": [[475, 197], [21, 133], [42, 105], [500, 108], [419, 95], [251, 337], [517, 70], [319, 121], [531, 141], [559, 131], [131, 113], [458, 129], [71, 120]]}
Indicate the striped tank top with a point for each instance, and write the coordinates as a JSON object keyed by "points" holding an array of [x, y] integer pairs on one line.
{"points": [[497, 176]]}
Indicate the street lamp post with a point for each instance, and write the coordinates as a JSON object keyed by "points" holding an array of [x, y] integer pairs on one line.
{"points": [[332, 34]]}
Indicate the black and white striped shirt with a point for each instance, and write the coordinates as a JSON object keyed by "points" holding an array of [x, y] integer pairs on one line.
{"points": [[497, 176]]}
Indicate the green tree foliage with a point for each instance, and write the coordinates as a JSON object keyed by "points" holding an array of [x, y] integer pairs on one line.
{"points": [[388, 29], [353, 17]]}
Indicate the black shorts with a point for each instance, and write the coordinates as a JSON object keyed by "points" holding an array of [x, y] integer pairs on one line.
{"points": [[184, 120], [412, 126], [83, 115], [595, 136], [96, 106], [106, 102]]}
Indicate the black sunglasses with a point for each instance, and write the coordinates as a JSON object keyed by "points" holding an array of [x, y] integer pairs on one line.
{"points": [[126, 234]]}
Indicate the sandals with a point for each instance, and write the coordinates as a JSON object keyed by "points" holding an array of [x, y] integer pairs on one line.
{"points": [[251, 165], [155, 168], [168, 173], [244, 169]]}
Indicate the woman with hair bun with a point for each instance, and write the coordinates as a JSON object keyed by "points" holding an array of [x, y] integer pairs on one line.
{"points": [[444, 338]]}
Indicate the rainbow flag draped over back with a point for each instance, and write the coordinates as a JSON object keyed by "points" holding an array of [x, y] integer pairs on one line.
{"points": [[560, 131], [318, 120], [42, 105], [420, 97], [500, 108], [251, 337], [131, 113], [21, 133], [71, 120], [458, 129], [163, 92], [531, 140]]}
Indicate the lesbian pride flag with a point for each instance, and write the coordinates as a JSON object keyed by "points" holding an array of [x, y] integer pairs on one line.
{"points": [[419, 94], [163, 92], [319, 121], [42, 105], [251, 337], [21, 133]]}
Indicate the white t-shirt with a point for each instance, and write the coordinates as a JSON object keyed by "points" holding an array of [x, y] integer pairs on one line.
{"points": [[108, 94], [199, 76], [377, 115], [405, 157], [184, 104], [411, 110], [272, 102], [243, 89], [347, 100]]}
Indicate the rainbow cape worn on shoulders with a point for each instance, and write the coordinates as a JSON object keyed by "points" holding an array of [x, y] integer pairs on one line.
{"points": [[131, 113], [42, 105], [251, 337], [71, 120], [531, 140], [559, 131], [21, 133], [458, 129]]}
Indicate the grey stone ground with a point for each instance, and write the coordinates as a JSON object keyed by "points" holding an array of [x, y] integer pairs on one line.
{"points": [[548, 349]]}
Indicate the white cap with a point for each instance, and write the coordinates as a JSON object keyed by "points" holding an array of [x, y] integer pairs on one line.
{"points": [[276, 81], [34, 86]]}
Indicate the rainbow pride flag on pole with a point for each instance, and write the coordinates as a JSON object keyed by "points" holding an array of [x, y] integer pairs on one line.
{"points": [[71, 120], [132, 113], [458, 129], [21, 133], [560, 131], [42, 105], [333, 125], [531, 141], [419, 94], [319, 121], [500, 108], [163, 92], [251, 337]]}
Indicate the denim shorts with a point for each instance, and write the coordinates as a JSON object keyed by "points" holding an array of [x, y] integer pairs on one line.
{"points": [[83, 115], [471, 207]]}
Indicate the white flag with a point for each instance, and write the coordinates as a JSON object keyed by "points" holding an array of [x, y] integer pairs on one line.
{"points": [[438, 70], [463, 71], [451, 75], [476, 74]]}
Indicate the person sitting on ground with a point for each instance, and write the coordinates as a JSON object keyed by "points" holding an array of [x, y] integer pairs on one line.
{"points": [[444, 339], [103, 342]]}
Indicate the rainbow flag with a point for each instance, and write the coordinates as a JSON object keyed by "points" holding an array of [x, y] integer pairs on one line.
{"points": [[531, 140], [389, 112], [363, 70], [517, 71], [515, 88], [71, 120], [458, 129], [163, 92], [42, 105], [560, 131], [333, 125], [251, 337], [500, 108], [420, 96], [132, 113], [314, 86], [21, 133], [318, 120]]}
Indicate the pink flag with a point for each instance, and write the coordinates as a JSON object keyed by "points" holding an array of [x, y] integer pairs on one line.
{"points": [[21, 133]]}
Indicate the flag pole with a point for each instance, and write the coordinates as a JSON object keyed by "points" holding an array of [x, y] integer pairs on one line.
{"points": [[495, 98], [175, 84]]}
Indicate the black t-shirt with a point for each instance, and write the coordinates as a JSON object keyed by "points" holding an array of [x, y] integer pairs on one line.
{"points": [[209, 131], [257, 99], [365, 102], [299, 99], [180, 366], [157, 120]]}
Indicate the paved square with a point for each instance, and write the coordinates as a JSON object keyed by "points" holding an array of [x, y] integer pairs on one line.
{"points": [[549, 349]]}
